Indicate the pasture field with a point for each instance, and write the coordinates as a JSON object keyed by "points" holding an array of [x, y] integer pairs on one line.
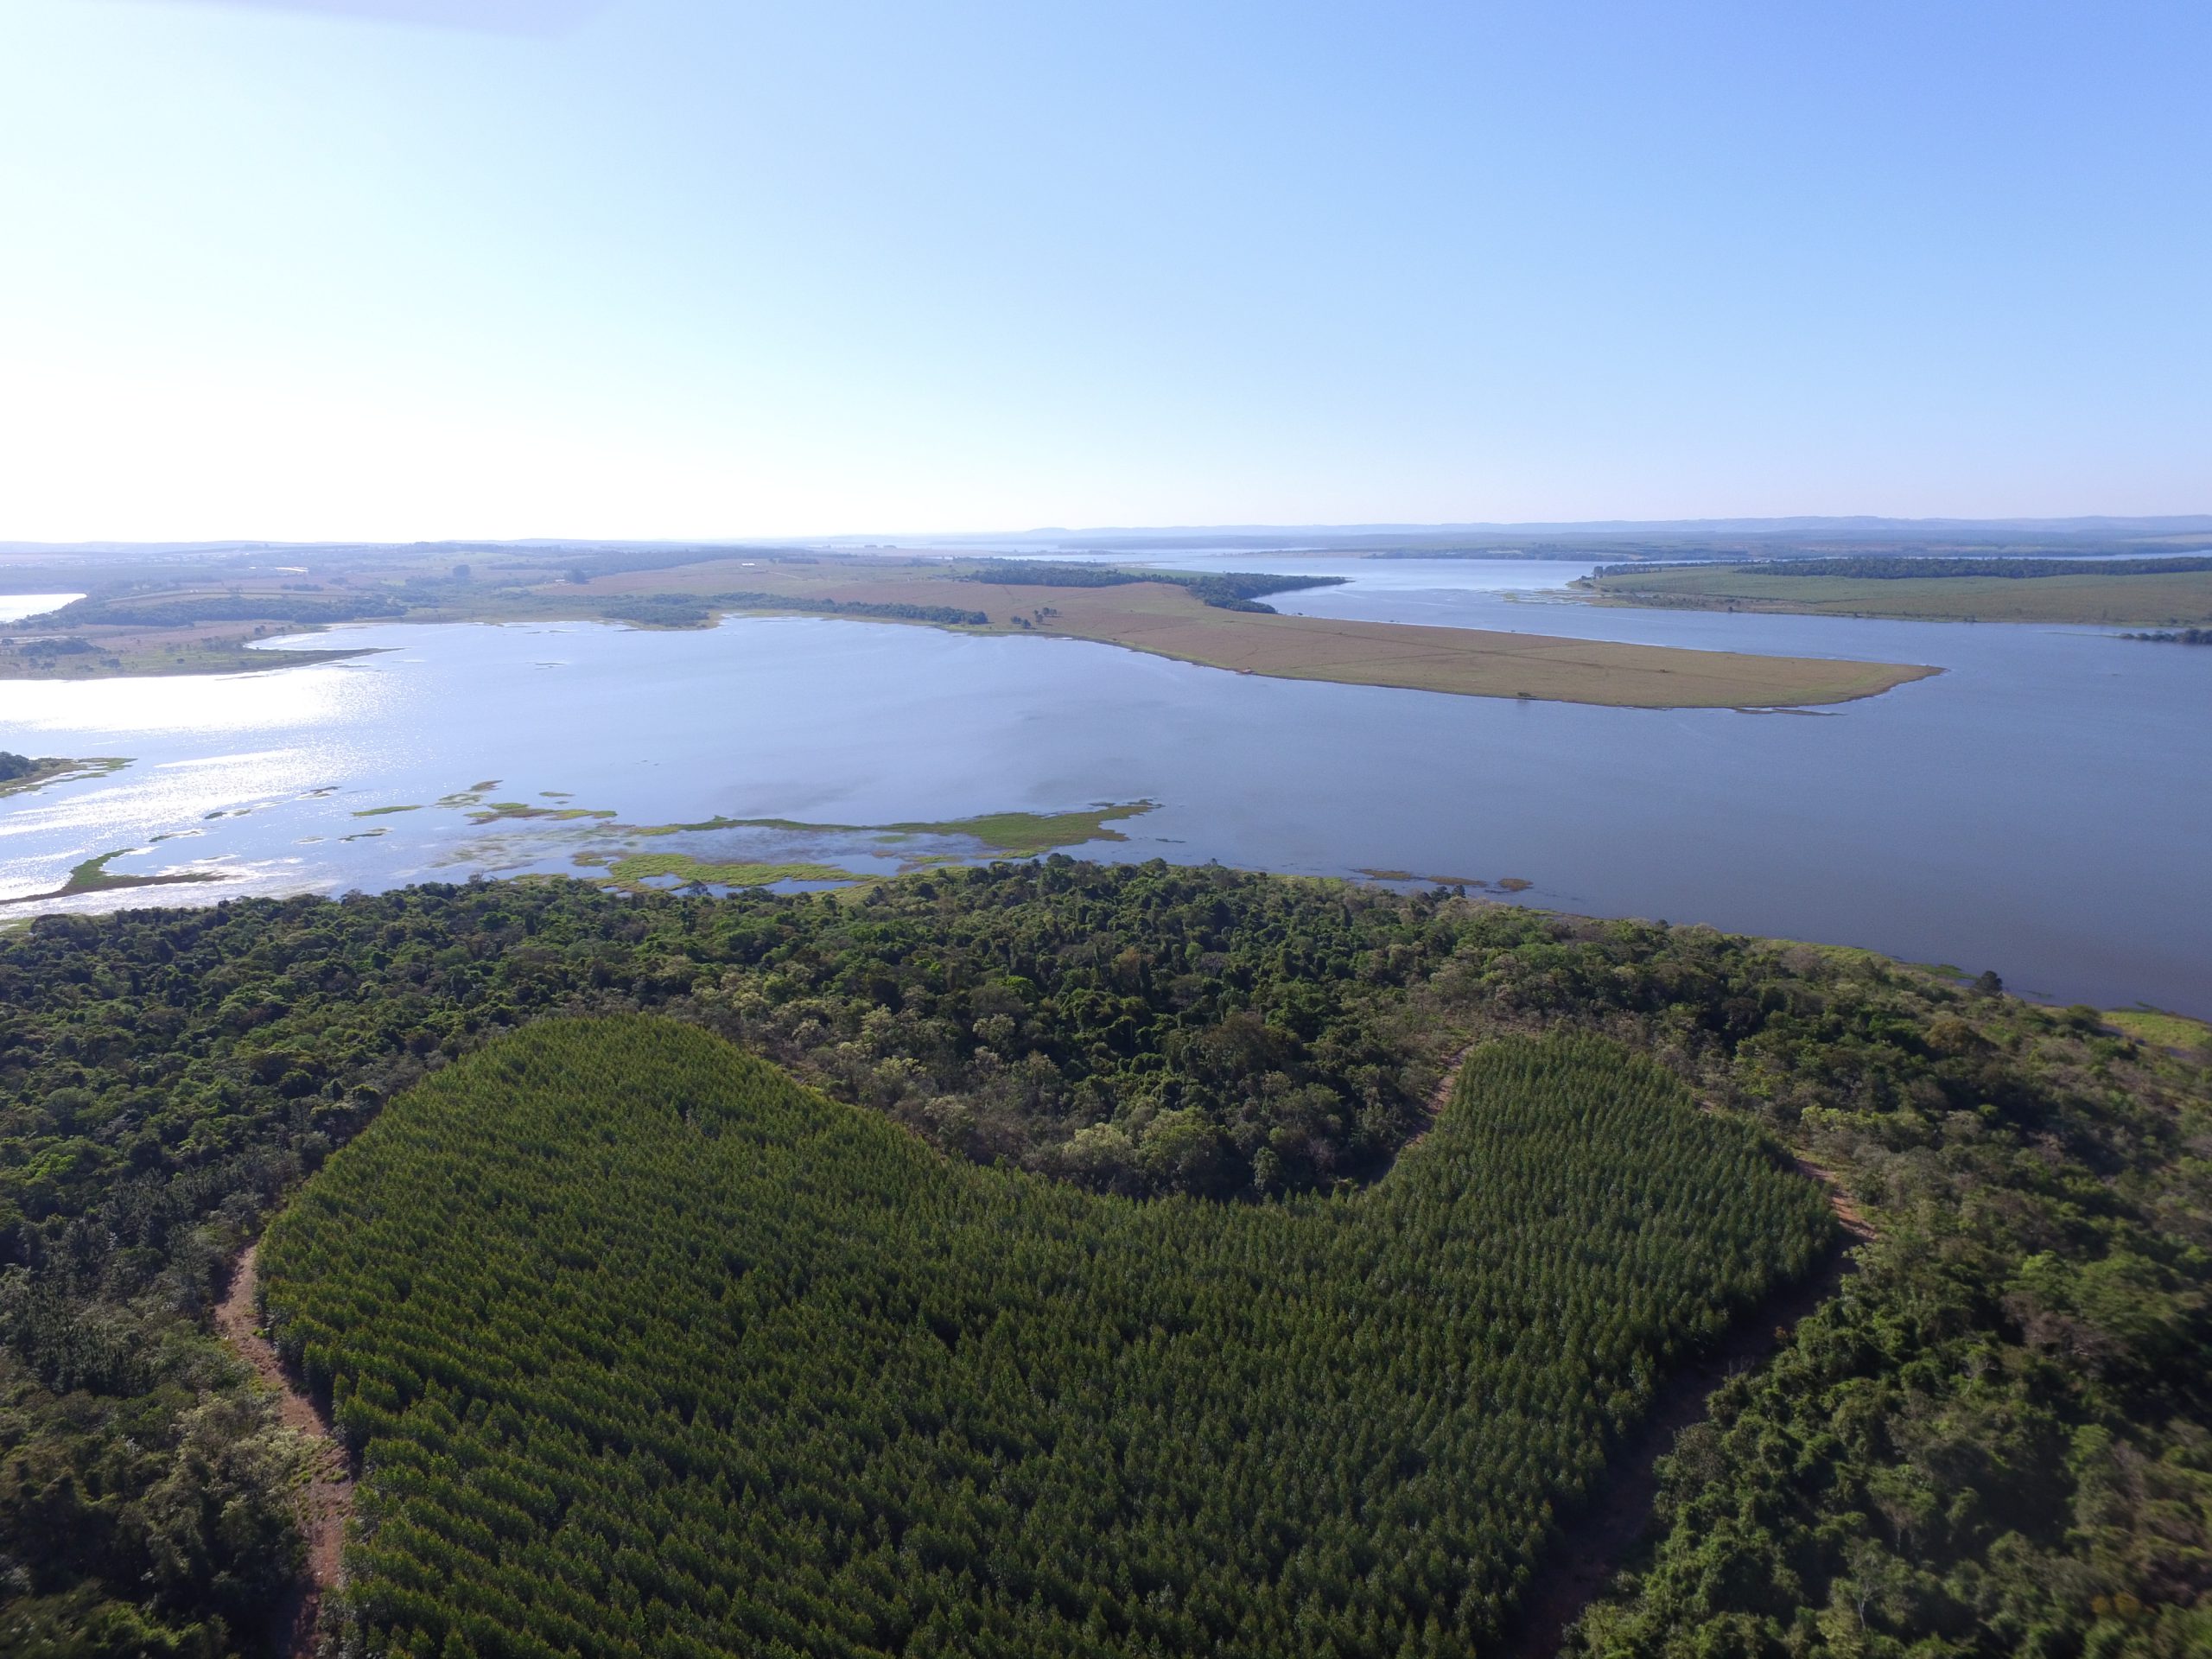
{"points": [[650, 1349], [2176, 598]]}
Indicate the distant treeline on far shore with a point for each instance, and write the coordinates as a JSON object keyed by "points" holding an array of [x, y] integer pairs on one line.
{"points": [[1901, 567]]}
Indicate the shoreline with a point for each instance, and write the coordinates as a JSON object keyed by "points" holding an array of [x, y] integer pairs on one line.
{"points": [[1160, 618]]}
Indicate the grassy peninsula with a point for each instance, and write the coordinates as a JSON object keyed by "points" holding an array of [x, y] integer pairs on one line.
{"points": [[1167, 615]]}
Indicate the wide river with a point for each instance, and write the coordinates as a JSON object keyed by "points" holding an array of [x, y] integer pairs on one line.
{"points": [[2044, 807]]}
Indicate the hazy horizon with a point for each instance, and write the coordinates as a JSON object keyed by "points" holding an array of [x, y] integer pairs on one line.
{"points": [[1871, 526], [657, 269]]}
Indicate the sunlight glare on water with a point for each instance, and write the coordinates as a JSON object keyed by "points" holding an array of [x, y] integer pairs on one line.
{"points": [[322, 694]]}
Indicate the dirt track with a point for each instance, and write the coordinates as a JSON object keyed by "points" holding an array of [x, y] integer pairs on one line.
{"points": [[1597, 1543], [327, 1498]]}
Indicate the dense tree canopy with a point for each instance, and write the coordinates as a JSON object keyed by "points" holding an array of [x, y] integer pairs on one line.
{"points": [[2034, 1300], [649, 1350]]}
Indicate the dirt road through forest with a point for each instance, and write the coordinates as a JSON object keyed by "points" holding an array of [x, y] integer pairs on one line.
{"points": [[327, 1498]]}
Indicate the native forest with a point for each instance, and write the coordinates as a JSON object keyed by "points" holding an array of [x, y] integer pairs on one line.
{"points": [[1053, 1258]]}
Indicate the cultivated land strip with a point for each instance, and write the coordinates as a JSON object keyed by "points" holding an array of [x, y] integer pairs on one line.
{"points": [[2158, 600], [326, 1494]]}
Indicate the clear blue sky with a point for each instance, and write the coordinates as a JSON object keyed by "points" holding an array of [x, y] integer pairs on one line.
{"points": [[705, 267]]}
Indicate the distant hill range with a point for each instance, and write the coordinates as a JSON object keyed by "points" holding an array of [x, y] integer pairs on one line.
{"points": [[1673, 538]]}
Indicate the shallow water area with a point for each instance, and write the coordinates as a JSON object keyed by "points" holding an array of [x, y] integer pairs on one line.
{"points": [[2036, 809]]}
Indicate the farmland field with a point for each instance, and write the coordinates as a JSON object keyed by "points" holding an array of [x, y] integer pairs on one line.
{"points": [[2170, 599]]}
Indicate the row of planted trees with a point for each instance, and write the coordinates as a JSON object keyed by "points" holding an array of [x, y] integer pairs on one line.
{"points": [[650, 1350]]}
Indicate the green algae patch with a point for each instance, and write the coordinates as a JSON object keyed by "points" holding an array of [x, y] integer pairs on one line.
{"points": [[384, 812]]}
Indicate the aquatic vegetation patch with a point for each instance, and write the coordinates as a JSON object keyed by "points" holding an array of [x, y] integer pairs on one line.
{"points": [[502, 811], [638, 1335], [470, 796], [94, 876], [1432, 880], [1024, 835], [384, 812], [1017, 834]]}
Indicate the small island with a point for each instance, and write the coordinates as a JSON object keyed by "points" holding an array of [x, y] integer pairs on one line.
{"points": [[94, 876], [21, 773]]}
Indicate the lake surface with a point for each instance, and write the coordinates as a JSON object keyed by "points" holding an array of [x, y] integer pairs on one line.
{"points": [[2041, 808]]}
